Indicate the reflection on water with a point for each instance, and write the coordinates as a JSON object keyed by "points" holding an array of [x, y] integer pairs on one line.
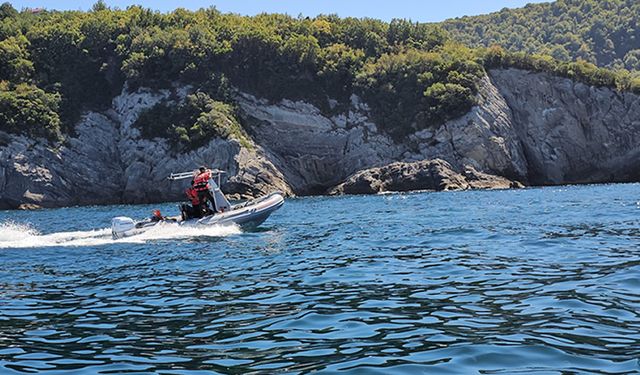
{"points": [[533, 281]]}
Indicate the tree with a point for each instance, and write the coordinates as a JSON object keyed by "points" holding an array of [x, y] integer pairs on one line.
{"points": [[602, 32], [7, 10], [15, 65], [413, 75], [29, 110], [100, 5], [302, 49], [340, 64]]}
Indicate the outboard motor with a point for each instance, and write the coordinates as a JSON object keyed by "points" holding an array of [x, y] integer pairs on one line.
{"points": [[120, 225]]}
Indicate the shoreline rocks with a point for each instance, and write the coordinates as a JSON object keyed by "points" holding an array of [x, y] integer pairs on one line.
{"points": [[436, 175]]}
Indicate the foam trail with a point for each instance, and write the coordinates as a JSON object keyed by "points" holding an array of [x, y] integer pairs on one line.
{"points": [[11, 232], [14, 235]]}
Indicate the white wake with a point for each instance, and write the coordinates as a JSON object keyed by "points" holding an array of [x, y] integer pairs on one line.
{"points": [[16, 235]]}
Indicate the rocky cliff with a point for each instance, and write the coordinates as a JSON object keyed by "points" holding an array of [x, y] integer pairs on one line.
{"points": [[529, 127], [569, 132], [108, 162]]}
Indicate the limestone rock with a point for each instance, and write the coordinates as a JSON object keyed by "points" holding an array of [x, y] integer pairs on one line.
{"points": [[107, 162], [434, 174], [570, 132], [315, 152], [484, 138], [485, 181]]}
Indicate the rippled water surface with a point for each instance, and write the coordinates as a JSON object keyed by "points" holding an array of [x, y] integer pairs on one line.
{"points": [[529, 281]]}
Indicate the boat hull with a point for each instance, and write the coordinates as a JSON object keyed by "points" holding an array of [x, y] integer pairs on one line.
{"points": [[247, 215]]}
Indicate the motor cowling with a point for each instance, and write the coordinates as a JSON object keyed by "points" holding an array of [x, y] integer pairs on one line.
{"points": [[120, 225]]}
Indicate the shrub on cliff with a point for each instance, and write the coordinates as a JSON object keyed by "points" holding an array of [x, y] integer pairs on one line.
{"points": [[26, 109], [581, 71], [192, 123], [414, 89]]}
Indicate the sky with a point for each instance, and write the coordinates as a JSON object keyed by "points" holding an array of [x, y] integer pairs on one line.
{"points": [[416, 10]]}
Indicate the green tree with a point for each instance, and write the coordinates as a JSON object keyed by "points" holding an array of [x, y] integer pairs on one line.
{"points": [[15, 65], [601, 32], [99, 5], [340, 64], [7, 10], [412, 75], [26, 109]]}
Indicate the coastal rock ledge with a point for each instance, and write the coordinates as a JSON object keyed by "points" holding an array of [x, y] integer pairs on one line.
{"points": [[435, 175]]}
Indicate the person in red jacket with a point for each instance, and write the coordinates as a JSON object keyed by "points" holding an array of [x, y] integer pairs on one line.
{"points": [[195, 210], [157, 216], [201, 179], [192, 194], [201, 186]]}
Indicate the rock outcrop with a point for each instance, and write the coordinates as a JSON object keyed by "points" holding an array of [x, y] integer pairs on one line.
{"points": [[313, 151], [484, 138], [435, 175], [533, 128]]}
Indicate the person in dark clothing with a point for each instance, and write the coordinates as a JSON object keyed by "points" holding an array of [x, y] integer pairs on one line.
{"points": [[195, 210], [201, 186], [157, 216]]}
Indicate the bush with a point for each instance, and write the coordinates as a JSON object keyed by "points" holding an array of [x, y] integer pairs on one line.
{"points": [[580, 71], [191, 124], [26, 109], [448, 100], [15, 65], [414, 90]]}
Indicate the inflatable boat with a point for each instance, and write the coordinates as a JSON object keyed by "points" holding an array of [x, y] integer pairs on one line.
{"points": [[247, 214]]}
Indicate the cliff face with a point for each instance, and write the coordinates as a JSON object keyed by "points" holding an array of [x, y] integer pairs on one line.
{"points": [[533, 128], [529, 127], [569, 132], [315, 152], [108, 162]]}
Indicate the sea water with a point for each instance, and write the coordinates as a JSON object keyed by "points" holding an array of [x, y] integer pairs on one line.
{"points": [[521, 281]]}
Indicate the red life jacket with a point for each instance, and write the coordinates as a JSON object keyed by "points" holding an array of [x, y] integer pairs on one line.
{"points": [[201, 181], [192, 194]]}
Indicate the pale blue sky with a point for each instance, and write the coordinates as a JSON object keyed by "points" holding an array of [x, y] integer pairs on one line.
{"points": [[417, 10]]}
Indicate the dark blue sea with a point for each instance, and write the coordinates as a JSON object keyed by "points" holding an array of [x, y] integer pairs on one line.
{"points": [[535, 281]]}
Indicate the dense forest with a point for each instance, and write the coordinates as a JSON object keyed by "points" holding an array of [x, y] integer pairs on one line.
{"points": [[603, 32], [55, 65]]}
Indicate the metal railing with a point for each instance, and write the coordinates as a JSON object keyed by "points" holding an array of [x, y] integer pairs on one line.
{"points": [[185, 175]]}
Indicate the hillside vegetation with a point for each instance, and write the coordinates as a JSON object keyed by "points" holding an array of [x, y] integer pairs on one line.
{"points": [[603, 32], [55, 65]]}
